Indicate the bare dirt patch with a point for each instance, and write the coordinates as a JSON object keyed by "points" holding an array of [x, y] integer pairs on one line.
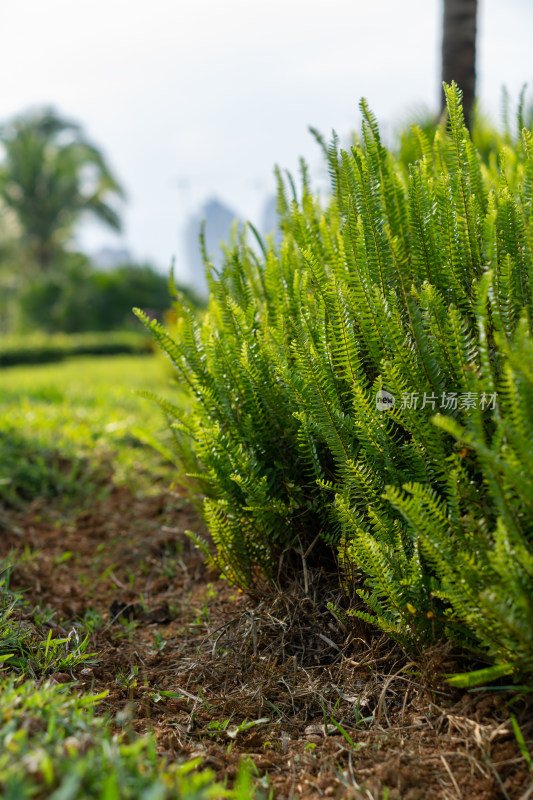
{"points": [[320, 710]]}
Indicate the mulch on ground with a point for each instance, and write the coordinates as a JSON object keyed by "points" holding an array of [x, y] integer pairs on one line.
{"points": [[321, 710]]}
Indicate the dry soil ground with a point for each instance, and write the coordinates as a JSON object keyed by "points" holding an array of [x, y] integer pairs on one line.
{"points": [[321, 710]]}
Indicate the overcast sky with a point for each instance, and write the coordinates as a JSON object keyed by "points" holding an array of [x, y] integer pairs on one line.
{"points": [[191, 100]]}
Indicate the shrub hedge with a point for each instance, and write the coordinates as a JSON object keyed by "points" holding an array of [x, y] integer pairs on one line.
{"points": [[41, 348]]}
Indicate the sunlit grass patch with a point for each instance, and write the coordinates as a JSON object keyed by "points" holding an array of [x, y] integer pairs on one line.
{"points": [[57, 421]]}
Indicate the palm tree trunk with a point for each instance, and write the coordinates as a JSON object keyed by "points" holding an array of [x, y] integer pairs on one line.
{"points": [[459, 50]]}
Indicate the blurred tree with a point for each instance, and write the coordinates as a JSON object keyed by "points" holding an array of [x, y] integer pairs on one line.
{"points": [[459, 50], [74, 297], [50, 176]]}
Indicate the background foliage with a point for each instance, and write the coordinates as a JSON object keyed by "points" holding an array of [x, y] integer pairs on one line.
{"points": [[51, 179]]}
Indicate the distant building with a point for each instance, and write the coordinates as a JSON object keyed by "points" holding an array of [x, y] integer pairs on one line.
{"points": [[109, 257], [270, 219], [219, 220]]}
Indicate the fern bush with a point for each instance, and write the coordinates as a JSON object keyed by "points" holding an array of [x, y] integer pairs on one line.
{"points": [[368, 384]]}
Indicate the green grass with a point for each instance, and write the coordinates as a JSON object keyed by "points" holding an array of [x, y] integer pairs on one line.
{"points": [[27, 649], [53, 745], [59, 423]]}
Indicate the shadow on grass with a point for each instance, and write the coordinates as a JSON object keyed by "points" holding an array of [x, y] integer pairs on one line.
{"points": [[30, 471]]}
